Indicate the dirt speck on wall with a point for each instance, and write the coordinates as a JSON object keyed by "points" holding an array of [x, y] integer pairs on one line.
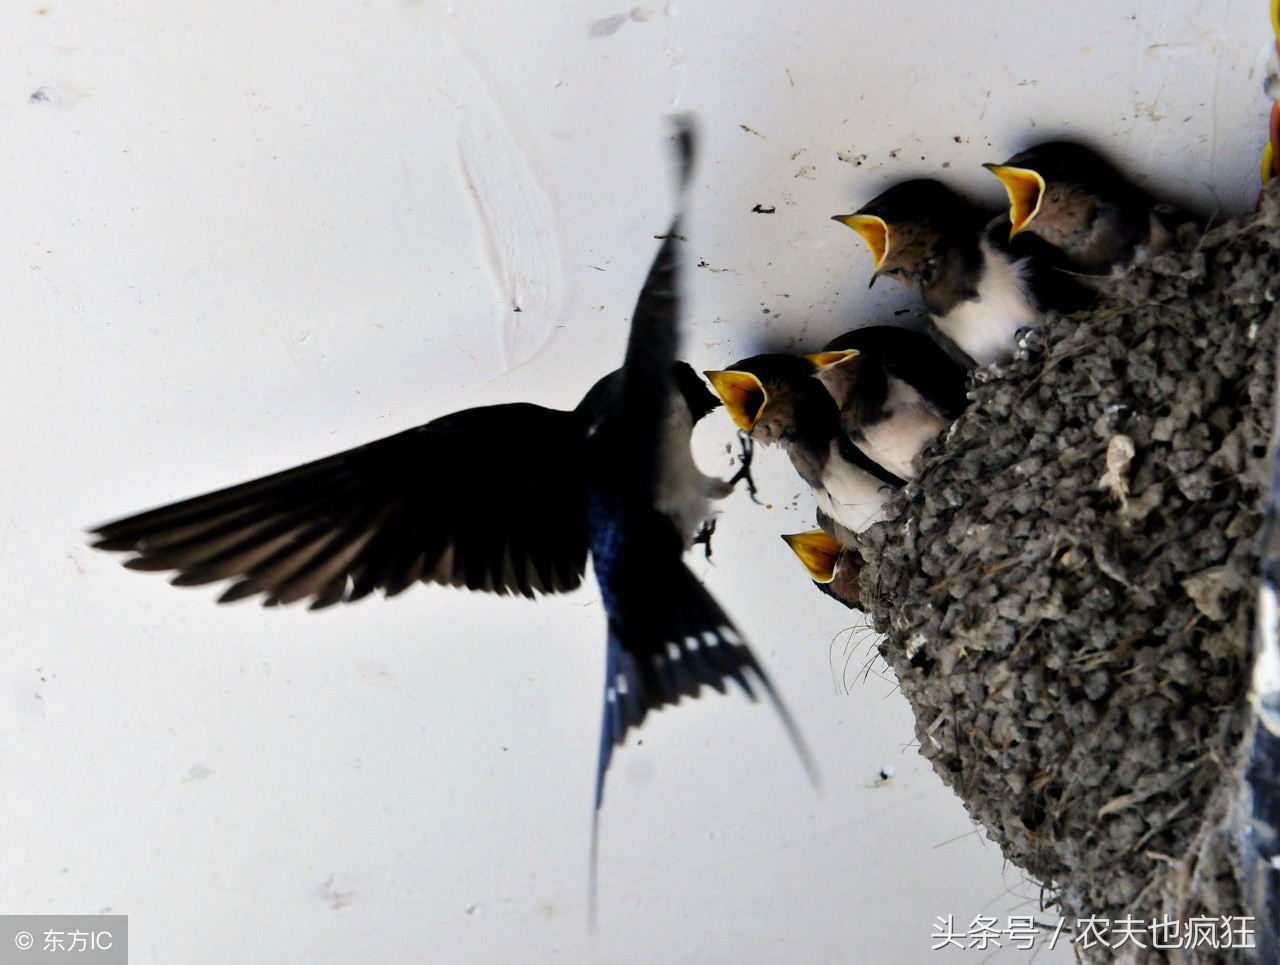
{"points": [[1067, 590]]}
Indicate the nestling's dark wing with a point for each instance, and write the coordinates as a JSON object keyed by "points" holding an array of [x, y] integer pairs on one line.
{"points": [[948, 345], [491, 499], [855, 456], [1054, 283], [916, 359], [835, 530]]}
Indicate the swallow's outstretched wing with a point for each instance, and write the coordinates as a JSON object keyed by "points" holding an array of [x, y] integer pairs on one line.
{"points": [[489, 499]]}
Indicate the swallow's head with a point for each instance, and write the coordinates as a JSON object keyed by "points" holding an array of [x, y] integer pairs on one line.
{"points": [[836, 568], [760, 393], [1055, 188], [908, 228]]}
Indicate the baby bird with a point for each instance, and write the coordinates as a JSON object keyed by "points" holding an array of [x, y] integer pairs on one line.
{"points": [[1076, 201], [978, 287], [833, 567], [896, 390], [776, 399]]}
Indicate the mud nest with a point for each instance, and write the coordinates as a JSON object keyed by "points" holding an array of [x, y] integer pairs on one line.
{"points": [[1067, 590]]}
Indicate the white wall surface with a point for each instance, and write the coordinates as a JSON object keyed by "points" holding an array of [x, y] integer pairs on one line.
{"points": [[240, 235]]}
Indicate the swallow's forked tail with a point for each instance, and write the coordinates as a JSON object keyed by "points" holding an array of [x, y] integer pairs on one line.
{"points": [[679, 641]]}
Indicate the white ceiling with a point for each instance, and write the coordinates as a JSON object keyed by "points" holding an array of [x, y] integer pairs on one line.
{"points": [[245, 235]]}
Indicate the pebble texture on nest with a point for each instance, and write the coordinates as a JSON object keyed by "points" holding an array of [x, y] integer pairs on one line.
{"points": [[1067, 589]]}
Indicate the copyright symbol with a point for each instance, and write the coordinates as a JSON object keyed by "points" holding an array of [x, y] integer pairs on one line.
{"points": [[23, 940]]}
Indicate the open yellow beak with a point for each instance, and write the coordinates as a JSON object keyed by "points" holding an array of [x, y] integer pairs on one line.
{"points": [[818, 552], [742, 394], [1025, 189], [873, 230], [821, 360]]}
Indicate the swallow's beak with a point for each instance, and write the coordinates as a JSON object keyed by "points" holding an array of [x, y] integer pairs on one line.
{"points": [[874, 232], [743, 396], [1025, 189], [838, 371], [822, 360], [818, 552]]}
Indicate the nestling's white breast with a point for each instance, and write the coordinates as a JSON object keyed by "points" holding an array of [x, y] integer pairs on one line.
{"points": [[850, 496], [984, 327], [911, 425]]}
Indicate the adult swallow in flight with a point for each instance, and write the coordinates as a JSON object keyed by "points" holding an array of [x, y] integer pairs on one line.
{"points": [[1078, 202], [896, 391], [776, 399], [978, 287], [505, 499], [833, 567]]}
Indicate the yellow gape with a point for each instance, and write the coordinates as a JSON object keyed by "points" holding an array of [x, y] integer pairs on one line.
{"points": [[1025, 189], [1273, 133], [873, 231], [817, 551], [743, 395]]}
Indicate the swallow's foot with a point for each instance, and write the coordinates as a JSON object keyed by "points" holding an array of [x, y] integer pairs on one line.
{"points": [[703, 538], [744, 472]]}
